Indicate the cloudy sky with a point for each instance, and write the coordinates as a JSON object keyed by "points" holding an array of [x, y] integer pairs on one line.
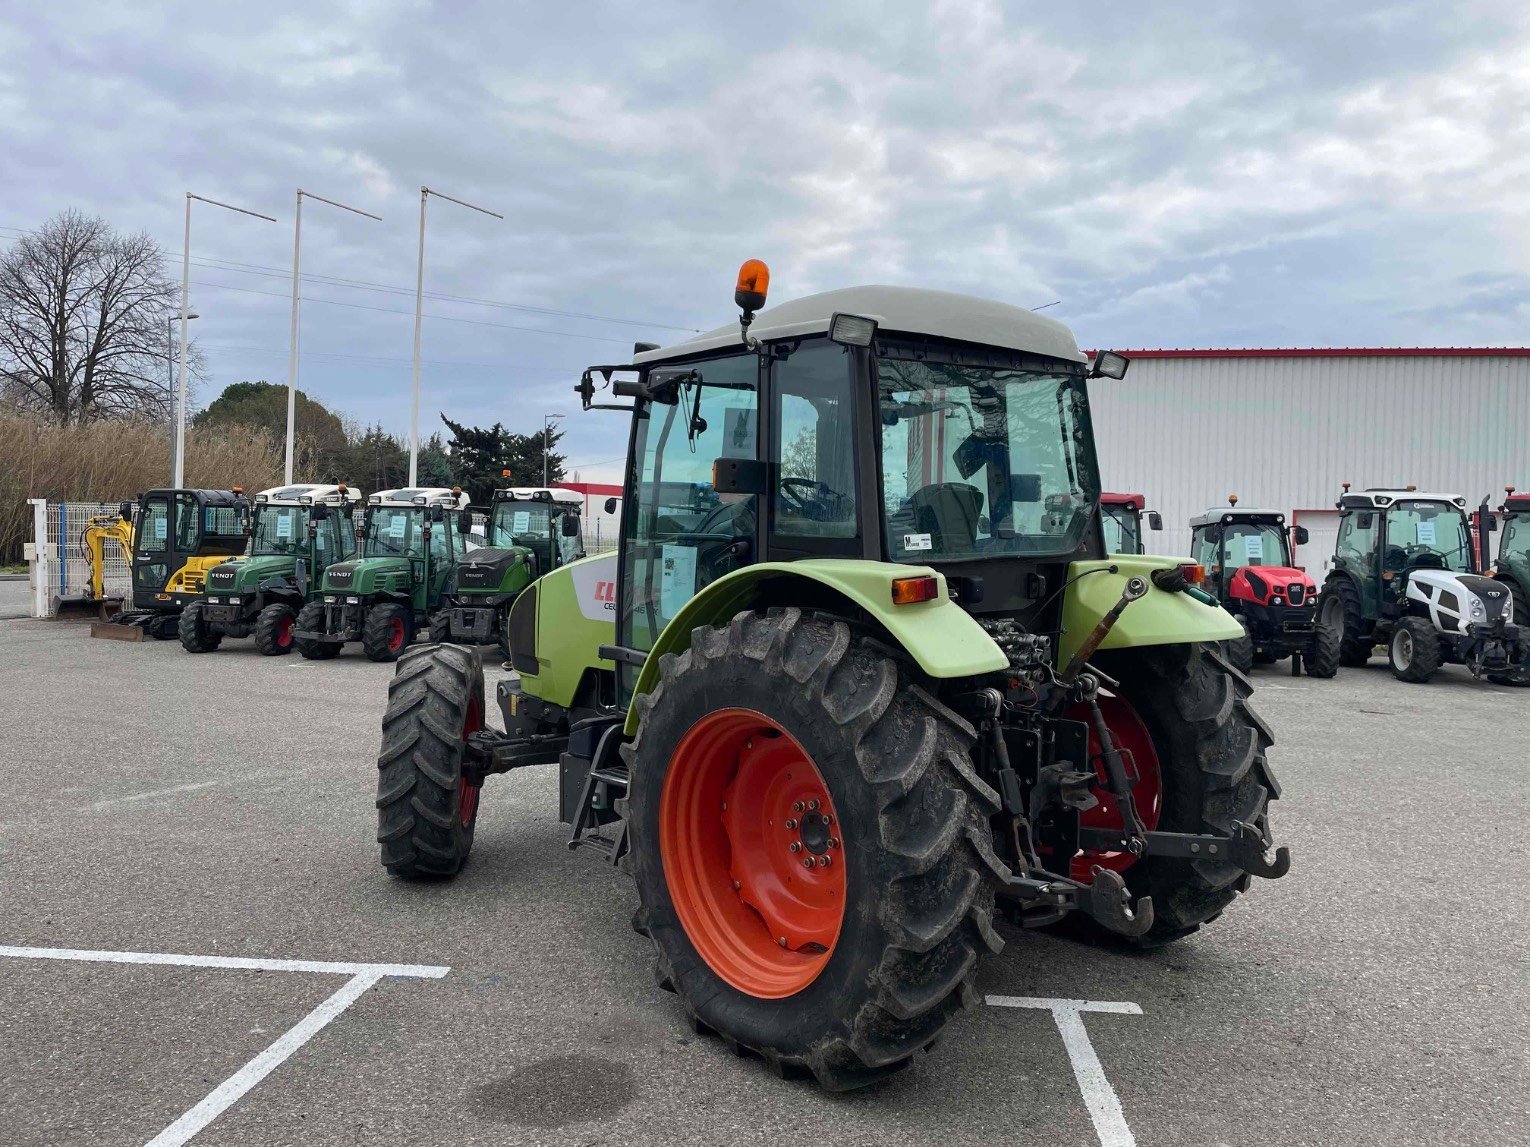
{"points": [[1225, 174]]}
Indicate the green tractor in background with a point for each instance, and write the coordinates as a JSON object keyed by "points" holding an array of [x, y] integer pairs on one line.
{"points": [[1512, 566], [411, 543], [531, 531], [859, 678], [296, 533]]}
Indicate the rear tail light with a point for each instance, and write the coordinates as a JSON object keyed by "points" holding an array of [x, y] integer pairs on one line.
{"points": [[909, 590]]}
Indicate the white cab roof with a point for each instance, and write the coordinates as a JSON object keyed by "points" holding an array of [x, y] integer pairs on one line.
{"points": [[1383, 497], [1217, 513], [411, 495], [900, 310], [291, 495], [529, 493]]}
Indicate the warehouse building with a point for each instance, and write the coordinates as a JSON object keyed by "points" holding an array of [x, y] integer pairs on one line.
{"points": [[1283, 428]]}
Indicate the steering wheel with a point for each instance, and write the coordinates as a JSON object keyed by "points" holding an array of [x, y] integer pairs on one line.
{"points": [[811, 498]]}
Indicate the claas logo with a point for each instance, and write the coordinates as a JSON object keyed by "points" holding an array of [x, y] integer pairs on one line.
{"points": [[605, 593]]}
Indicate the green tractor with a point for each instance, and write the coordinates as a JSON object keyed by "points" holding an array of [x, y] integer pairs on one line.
{"points": [[411, 544], [531, 531], [860, 679], [296, 533], [1513, 564]]}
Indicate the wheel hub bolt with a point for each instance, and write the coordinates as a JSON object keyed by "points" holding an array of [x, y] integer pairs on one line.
{"points": [[833, 842], [823, 862], [791, 822], [807, 862], [812, 806], [795, 846], [736, 886], [798, 807], [781, 940]]}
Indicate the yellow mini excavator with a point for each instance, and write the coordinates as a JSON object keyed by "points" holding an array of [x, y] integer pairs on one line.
{"points": [[171, 539]]}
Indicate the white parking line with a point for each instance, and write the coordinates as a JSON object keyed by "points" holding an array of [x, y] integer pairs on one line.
{"points": [[1099, 1097], [232, 1089], [98, 805]]}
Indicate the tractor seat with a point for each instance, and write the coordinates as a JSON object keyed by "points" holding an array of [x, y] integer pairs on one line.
{"points": [[949, 513]]}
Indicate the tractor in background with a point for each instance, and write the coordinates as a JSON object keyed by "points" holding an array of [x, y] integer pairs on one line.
{"points": [[1249, 570], [1512, 566], [411, 544], [1404, 576], [296, 533], [1121, 516], [171, 538], [848, 691], [531, 531]]}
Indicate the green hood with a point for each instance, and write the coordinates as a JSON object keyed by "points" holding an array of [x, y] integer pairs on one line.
{"points": [[368, 575], [245, 575]]}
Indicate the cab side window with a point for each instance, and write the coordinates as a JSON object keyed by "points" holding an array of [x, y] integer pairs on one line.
{"points": [[1354, 541], [815, 445]]}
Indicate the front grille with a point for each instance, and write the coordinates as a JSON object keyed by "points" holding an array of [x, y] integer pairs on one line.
{"points": [[1296, 593]]}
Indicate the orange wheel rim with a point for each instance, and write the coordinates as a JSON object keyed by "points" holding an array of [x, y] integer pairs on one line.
{"points": [[752, 853]]}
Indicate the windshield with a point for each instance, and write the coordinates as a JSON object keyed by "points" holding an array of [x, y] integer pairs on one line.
{"points": [[1431, 535], [1120, 523], [521, 524], [1248, 544], [280, 530], [980, 461], [395, 531]]}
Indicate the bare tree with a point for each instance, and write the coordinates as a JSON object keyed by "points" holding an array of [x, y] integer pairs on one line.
{"points": [[83, 331]]}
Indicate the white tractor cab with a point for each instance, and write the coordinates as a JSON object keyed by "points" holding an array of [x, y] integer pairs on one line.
{"points": [[1405, 575]]}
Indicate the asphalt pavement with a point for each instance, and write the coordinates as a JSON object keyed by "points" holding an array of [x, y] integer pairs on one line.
{"points": [[221, 806]]}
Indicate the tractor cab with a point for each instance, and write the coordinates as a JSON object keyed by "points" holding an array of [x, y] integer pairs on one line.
{"points": [[1121, 517], [296, 533], [411, 542], [1247, 557], [178, 536], [1404, 574]]}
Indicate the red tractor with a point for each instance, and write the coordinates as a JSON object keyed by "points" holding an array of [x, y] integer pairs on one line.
{"points": [[1121, 518], [1247, 555]]}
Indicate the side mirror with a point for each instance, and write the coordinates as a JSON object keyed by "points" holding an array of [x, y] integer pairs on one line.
{"points": [[126, 510], [465, 522], [570, 527], [1155, 520], [1303, 535], [1365, 522], [1492, 523], [610, 505]]}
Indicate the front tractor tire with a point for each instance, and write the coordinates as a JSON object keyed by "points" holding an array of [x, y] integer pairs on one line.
{"points": [[1240, 650], [427, 807], [386, 632], [196, 633], [1212, 764], [273, 630], [310, 619], [811, 847], [1342, 610], [1414, 650], [1326, 653]]}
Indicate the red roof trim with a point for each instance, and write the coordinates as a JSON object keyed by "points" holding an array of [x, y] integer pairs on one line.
{"points": [[1337, 352]]}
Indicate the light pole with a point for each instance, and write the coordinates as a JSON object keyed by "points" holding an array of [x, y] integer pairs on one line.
{"points": [[292, 354], [547, 421], [170, 377], [180, 396], [419, 306]]}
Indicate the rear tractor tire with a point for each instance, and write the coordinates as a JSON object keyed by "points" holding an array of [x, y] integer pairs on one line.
{"points": [[1414, 650], [387, 632], [196, 633], [426, 807], [1325, 654], [812, 855], [1211, 748], [273, 630], [441, 626], [310, 619]]}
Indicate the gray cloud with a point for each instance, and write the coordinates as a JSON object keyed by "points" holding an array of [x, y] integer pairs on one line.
{"points": [[1175, 174]]}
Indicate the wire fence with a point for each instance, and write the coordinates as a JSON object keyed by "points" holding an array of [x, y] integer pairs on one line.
{"points": [[61, 565]]}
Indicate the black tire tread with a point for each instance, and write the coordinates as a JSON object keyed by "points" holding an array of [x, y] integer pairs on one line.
{"points": [[1356, 645], [1240, 650], [1326, 652], [420, 763], [1427, 653], [376, 631], [196, 635], [266, 623], [938, 914], [311, 619]]}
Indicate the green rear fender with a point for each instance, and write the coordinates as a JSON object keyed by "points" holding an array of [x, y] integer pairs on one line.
{"points": [[938, 634], [1160, 618]]}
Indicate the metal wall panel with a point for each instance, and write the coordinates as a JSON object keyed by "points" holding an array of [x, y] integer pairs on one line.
{"points": [[1284, 433]]}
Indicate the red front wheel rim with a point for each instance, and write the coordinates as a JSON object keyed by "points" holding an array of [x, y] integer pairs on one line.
{"points": [[467, 793], [395, 634], [1136, 745], [284, 631], [752, 853]]}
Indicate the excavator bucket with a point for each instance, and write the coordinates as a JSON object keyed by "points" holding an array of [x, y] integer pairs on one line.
{"points": [[78, 607]]}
